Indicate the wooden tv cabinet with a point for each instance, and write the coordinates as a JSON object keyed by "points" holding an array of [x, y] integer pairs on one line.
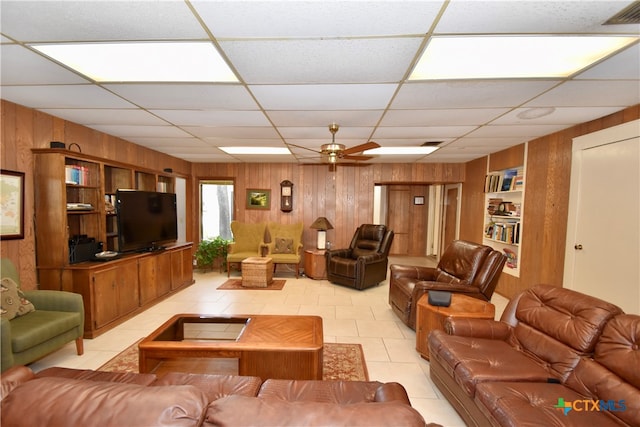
{"points": [[116, 290]]}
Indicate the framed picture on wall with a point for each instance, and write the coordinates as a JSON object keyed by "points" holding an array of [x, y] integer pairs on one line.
{"points": [[258, 199], [418, 200], [11, 205]]}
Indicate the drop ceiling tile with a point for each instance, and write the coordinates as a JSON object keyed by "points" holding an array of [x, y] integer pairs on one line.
{"points": [[322, 61], [87, 117], [173, 143], [324, 97], [624, 65], [559, 16], [21, 66], [186, 96], [525, 132], [344, 133], [99, 20], [483, 144], [205, 157], [437, 117], [130, 131], [233, 19], [63, 96], [563, 116], [425, 133], [323, 118], [469, 94], [213, 118], [585, 93], [410, 142], [232, 132]]}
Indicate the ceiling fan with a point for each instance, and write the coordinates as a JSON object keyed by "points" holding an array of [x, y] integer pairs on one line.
{"points": [[335, 153]]}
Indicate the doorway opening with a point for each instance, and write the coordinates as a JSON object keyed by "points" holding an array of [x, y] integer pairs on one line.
{"points": [[216, 209]]}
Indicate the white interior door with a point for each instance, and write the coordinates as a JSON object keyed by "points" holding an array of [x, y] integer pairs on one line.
{"points": [[603, 238]]}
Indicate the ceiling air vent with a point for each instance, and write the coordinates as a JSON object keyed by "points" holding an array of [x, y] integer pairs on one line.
{"points": [[431, 143], [628, 15]]}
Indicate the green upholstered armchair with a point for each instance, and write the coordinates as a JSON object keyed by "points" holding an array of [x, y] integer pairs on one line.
{"points": [[57, 319], [248, 239], [285, 244]]}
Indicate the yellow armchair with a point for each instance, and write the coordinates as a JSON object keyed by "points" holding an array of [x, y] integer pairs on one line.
{"points": [[285, 244], [248, 239]]}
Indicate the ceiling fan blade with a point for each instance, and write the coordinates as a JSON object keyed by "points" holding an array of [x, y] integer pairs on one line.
{"points": [[360, 148], [357, 158]]}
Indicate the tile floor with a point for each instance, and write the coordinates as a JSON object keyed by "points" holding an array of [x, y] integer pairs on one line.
{"points": [[349, 316]]}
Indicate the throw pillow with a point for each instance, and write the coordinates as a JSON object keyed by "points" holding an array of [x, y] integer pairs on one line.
{"points": [[12, 301], [283, 246]]}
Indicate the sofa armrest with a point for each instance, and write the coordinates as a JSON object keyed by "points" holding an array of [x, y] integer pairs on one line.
{"points": [[477, 328], [371, 258], [13, 377], [55, 300], [391, 392], [342, 253], [6, 351], [412, 271]]}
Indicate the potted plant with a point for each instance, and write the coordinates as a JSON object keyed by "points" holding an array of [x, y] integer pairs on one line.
{"points": [[212, 253]]}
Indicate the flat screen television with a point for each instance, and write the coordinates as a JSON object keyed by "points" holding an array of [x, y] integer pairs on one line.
{"points": [[146, 220]]}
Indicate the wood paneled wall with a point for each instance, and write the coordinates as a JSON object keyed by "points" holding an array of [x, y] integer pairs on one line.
{"points": [[343, 196], [23, 129], [546, 201]]}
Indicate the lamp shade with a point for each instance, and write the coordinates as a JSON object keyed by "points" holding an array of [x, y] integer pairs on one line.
{"points": [[321, 223]]}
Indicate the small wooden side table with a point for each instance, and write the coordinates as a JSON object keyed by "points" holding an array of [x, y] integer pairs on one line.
{"points": [[429, 317], [315, 264]]}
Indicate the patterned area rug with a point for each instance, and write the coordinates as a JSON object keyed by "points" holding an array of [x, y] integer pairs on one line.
{"points": [[236, 284], [341, 362]]}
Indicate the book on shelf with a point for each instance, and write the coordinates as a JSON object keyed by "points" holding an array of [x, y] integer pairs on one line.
{"points": [[76, 175], [507, 180]]}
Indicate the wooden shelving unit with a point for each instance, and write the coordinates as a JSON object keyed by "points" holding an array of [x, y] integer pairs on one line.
{"points": [[75, 196], [504, 197]]}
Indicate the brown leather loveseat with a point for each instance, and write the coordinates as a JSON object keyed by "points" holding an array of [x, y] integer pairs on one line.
{"points": [[72, 397], [556, 357]]}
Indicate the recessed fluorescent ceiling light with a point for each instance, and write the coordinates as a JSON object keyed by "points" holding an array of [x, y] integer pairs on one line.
{"points": [[255, 150], [401, 151], [143, 62], [484, 57]]}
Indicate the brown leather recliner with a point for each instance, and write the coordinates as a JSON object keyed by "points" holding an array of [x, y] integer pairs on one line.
{"points": [[364, 263], [465, 267]]}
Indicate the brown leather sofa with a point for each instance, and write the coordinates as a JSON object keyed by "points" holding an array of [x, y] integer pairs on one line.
{"points": [[465, 267], [364, 263], [556, 357], [72, 397]]}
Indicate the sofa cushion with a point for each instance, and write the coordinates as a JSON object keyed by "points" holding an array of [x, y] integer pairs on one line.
{"points": [[247, 237], [617, 348], [40, 326], [570, 317], [283, 246], [320, 391], [236, 411], [87, 374], [69, 402], [471, 361], [214, 386], [538, 404], [13, 303]]}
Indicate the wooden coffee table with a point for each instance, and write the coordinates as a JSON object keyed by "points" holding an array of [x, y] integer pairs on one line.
{"points": [[267, 346], [429, 317]]}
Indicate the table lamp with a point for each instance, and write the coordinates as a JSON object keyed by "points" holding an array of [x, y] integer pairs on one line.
{"points": [[321, 224]]}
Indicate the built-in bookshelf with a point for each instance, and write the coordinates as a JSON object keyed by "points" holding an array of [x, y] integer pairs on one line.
{"points": [[504, 196]]}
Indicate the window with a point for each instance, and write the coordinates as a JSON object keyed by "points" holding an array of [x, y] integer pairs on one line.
{"points": [[216, 209]]}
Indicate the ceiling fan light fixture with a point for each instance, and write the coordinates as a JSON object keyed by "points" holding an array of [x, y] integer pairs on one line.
{"points": [[331, 148]]}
